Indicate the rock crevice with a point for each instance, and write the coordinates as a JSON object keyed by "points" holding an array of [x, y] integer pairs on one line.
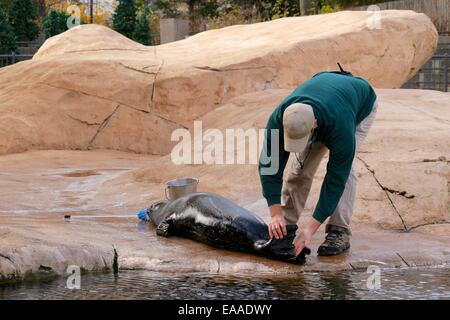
{"points": [[103, 125], [6, 257], [386, 191]]}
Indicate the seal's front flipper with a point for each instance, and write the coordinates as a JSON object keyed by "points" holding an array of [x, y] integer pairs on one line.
{"points": [[163, 228], [301, 258], [283, 249]]}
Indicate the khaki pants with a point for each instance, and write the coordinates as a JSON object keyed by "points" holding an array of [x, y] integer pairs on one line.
{"points": [[298, 183]]}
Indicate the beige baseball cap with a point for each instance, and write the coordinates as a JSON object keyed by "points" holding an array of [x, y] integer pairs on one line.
{"points": [[298, 122]]}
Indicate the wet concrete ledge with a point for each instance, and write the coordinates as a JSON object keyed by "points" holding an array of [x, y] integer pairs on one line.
{"points": [[37, 262]]}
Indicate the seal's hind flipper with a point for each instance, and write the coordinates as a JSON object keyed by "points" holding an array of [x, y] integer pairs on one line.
{"points": [[163, 228]]}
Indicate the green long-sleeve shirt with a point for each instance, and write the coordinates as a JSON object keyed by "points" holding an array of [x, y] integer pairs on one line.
{"points": [[340, 102]]}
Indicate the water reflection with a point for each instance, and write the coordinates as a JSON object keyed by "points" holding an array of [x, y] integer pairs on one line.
{"points": [[396, 284]]}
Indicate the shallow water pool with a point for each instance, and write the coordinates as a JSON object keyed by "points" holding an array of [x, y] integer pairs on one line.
{"points": [[394, 284]]}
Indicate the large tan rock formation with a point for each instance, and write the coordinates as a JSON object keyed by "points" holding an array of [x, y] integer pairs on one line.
{"points": [[93, 88]]}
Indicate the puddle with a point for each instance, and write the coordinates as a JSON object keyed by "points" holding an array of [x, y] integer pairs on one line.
{"points": [[79, 174], [394, 284]]}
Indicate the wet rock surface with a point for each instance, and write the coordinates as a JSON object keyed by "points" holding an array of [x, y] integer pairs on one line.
{"points": [[401, 217]]}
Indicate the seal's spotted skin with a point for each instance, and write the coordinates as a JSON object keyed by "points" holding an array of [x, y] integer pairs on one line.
{"points": [[218, 222]]}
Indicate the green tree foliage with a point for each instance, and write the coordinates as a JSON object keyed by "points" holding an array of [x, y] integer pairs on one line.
{"points": [[124, 18], [263, 8], [192, 5], [285, 8], [351, 3], [167, 8], [325, 6], [41, 10], [218, 13], [142, 4], [142, 33], [208, 8], [7, 37], [55, 23], [5, 6], [196, 8], [21, 17]]}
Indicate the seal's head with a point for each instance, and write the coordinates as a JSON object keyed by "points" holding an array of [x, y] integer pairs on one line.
{"points": [[156, 211]]}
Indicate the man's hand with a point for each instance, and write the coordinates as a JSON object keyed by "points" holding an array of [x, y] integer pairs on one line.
{"points": [[303, 239], [277, 226]]}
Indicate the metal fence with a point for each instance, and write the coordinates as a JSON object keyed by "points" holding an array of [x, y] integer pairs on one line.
{"points": [[8, 59], [434, 75]]}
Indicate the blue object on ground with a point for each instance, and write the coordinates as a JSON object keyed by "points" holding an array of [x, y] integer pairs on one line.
{"points": [[143, 215]]}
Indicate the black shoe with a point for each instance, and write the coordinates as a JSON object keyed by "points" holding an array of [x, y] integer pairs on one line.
{"points": [[336, 241]]}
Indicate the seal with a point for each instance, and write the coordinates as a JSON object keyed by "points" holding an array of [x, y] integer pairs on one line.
{"points": [[220, 223]]}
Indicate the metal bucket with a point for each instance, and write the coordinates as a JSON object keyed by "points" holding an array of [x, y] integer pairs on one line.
{"points": [[178, 188]]}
